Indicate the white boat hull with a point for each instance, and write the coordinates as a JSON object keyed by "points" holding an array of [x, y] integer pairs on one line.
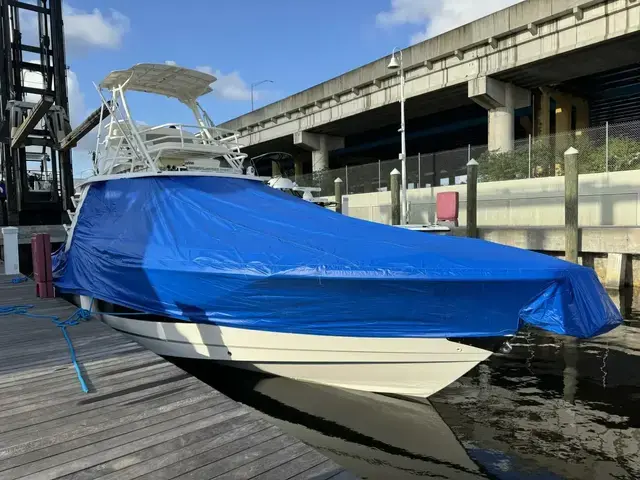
{"points": [[403, 366]]}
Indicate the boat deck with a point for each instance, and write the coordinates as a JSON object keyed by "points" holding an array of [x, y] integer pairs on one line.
{"points": [[143, 416]]}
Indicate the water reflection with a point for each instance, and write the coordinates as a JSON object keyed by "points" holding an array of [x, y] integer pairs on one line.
{"points": [[374, 436], [553, 408], [565, 406]]}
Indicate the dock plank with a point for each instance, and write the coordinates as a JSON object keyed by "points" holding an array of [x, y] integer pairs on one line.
{"points": [[266, 462], [173, 451], [74, 440], [194, 463], [292, 467], [241, 458], [143, 417], [322, 471]]}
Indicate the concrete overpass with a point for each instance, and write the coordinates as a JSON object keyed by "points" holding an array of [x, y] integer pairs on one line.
{"points": [[539, 56]]}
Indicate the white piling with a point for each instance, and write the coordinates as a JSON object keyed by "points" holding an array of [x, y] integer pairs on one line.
{"points": [[11, 255]]}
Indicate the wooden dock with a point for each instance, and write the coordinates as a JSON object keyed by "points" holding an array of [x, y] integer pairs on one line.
{"points": [[143, 417]]}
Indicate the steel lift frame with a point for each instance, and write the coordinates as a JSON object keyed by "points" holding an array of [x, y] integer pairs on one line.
{"points": [[35, 157]]}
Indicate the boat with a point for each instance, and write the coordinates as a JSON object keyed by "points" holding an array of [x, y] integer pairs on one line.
{"points": [[178, 244], [282, 181]]}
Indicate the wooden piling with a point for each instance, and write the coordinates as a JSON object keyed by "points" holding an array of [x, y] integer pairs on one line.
{"points": [[338, 194], [571, 204], [472, 199], [395, 197]]}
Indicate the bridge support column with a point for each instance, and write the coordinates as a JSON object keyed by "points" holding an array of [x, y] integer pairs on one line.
{"points": [[568, 112], [320, 146], [501, 100], [297, 168]]}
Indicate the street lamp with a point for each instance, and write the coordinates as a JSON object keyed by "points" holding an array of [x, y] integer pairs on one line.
{"points": [[255, 85], [395, 65]]}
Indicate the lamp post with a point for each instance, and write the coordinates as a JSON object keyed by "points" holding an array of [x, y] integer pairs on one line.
{"points": [[255, 85], [395, 65]]}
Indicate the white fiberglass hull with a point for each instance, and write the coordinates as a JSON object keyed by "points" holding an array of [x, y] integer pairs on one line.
{"points": [[403, 366]]}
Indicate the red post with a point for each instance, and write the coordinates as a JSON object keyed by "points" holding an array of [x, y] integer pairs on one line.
{"points": [[42, 270]]}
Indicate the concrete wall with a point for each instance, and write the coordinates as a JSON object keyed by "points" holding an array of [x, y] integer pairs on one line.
{"points": [[597, 246], [605, 199]]}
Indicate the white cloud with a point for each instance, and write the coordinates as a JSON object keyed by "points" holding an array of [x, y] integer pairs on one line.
{"points": [[94, 29], [77, 108], [83, 30], [438, 16], [230, 86], [170, 62]]}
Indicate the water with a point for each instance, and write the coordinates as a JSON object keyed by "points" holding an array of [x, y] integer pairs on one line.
{"points": [[554, 408]]}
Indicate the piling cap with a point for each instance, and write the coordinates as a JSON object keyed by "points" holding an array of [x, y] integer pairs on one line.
{"points": [[395, 172], [472, 163], [571, 151], [337, 180]]}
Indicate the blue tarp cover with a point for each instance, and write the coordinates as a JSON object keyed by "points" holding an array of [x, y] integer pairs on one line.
{"points": [[237, 253]]}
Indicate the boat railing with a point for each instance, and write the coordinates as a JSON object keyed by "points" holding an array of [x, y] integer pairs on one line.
{"points": [[189, 135], [171, 140]]}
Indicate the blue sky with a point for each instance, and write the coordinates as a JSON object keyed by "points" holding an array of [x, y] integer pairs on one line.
{"points": [[295, 43]]}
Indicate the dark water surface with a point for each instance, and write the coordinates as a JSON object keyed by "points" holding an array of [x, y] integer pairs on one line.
{"points": [[553, 408]]}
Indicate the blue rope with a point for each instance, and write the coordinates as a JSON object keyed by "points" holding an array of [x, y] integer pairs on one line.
{"points": [[80, 315], [19, 279]]}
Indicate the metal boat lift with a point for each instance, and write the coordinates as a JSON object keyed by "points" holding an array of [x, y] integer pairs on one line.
{"points": [[36, 175]]}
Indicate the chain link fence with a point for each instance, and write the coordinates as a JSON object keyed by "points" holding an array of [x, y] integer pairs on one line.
{"points": [[607, 148]]}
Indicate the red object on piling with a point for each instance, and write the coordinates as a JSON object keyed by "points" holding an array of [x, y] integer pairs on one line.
{"points": [[447, 207], [42, 270]]}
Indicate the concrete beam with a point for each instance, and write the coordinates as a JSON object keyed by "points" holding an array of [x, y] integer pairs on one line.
{"points": [[316, 141], [491, 93], [501, 100], [320, 146]]}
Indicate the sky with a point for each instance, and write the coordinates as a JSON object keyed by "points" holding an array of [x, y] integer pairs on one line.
{"points": [[294, 43]]}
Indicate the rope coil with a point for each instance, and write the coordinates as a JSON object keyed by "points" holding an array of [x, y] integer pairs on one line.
{"points": [[80, 315]]}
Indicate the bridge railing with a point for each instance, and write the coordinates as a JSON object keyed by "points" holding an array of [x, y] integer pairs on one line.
{"points": [[606, 148]]}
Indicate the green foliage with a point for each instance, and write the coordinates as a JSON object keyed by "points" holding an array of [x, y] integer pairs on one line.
{"points": [[547, 158], [497, 166], [624, 154]]}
